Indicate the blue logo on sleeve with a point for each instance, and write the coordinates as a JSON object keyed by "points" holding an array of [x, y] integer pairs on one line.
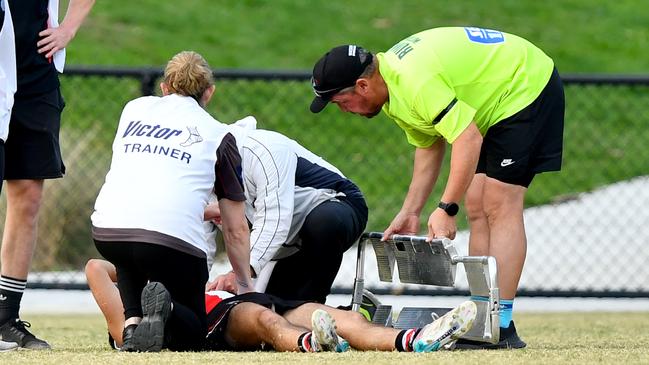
{"points": [[481, 35]]}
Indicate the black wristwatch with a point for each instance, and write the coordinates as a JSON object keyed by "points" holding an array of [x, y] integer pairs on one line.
{"points": [[450, 208]]}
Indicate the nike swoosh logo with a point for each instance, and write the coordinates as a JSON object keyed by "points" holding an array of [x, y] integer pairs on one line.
{"points": [[506, 162], [2, 297]]}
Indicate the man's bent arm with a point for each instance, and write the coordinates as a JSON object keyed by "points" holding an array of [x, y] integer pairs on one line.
{"points": [[77, 11], [237, 242], [465, 153], [428, 162]]}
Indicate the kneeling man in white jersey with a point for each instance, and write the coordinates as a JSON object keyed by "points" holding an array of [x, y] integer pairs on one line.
{"points": [[304, 212]]}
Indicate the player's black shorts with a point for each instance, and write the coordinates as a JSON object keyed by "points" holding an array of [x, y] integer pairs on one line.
{"points": [[529, 142], [32, 149], [217, 318]]}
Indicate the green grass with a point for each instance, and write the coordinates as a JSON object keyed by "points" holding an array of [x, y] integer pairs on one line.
{"points": [[553, 338], [581, 35]]}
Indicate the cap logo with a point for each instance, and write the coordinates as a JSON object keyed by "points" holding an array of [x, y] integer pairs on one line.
{"points": [[351, 50]]}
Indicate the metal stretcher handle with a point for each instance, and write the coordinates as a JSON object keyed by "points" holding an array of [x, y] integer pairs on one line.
{"points": [[395, 237]]}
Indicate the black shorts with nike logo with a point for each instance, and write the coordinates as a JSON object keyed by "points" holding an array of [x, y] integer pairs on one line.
{"points": [[529, 142]]}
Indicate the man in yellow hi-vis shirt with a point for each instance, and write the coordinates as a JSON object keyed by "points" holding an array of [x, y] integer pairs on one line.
{"points": [[496, 98]]}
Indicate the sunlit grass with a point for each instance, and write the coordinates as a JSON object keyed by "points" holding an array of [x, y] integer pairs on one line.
{"points": [[557, 338]]}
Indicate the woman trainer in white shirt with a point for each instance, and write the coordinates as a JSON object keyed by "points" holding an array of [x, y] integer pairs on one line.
{"points": [[169, 154]]}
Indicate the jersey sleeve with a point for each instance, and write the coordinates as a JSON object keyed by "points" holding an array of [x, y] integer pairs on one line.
{"points": [[273, 175], [437, 103], [415, 136], [229, 182]]}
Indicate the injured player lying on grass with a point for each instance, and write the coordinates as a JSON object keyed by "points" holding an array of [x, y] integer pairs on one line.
{"points": [[247, 322]]}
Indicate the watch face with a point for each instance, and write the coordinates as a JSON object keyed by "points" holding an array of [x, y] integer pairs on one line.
{"points": [[452, 209]]}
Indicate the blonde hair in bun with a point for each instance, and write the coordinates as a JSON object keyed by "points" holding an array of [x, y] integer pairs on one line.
{"points": [[188, 74]]}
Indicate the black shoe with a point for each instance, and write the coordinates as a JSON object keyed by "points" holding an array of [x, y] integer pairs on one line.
{"points": [[508, 340], [15, 330], [156, 307], [128, 344]]}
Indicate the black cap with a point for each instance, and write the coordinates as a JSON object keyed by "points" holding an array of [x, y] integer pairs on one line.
{"points": [[336, 70]]}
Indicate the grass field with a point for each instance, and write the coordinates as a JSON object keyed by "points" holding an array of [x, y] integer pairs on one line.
{"points": [[557, 338], [581, 35]]}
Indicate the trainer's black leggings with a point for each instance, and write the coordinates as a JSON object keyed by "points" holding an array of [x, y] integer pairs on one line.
{"points": [[329, 230], [182, 274]]}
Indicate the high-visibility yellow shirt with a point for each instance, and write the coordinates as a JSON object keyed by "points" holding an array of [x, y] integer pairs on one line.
{"points": [[442, 79]]}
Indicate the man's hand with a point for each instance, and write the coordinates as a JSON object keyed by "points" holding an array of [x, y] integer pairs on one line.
{"points": [[440, 225], [227, 282], [53, 39], [212, 213], [403, 223]]}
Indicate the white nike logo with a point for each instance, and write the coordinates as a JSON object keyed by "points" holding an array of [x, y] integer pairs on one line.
{"points": [[507, 162], [3, 297]]}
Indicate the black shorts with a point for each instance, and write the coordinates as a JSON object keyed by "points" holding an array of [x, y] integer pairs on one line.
{"points": [[217, 318], [529, 142], [328, 231], [32, 149]]}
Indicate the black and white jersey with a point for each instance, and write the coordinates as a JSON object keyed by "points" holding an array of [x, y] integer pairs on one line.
{"points": [[169, 154], [24, 71], [283, 183], [8, 82]]}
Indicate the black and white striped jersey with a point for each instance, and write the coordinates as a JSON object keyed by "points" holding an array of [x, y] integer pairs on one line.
{"points": [[283, 182]]}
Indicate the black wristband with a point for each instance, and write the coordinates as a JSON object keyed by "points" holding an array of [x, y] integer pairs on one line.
{"points": [[450, 208]]}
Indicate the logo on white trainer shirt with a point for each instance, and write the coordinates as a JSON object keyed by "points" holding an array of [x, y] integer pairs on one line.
{"points": [[194, 137], [506, 162]]}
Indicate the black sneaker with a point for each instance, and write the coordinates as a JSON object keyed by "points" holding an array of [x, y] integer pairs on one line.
{"points": [[15, 330], [128, 344], [508, 340], [156, 308]]}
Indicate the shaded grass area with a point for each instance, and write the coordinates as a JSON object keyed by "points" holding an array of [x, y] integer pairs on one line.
{"points": [[553, 338]]}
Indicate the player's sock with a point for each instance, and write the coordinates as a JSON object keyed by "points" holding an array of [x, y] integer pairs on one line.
{"points": [[479, 298], [11, 292], [405, 338], [506, 308], [304, 342]]}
